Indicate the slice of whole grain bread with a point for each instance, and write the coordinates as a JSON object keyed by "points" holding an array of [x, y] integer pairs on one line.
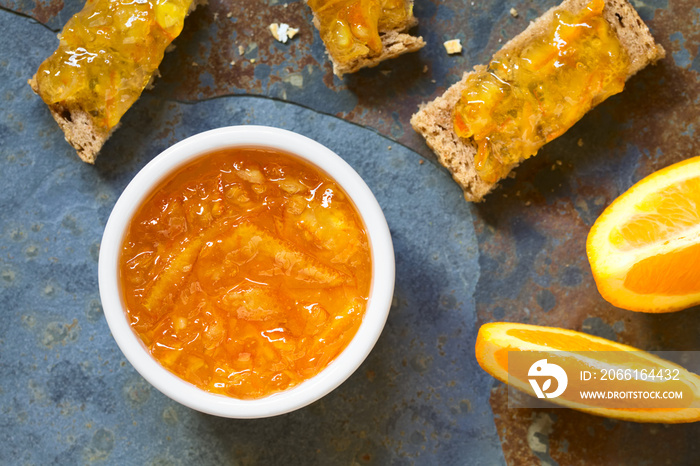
{"points": [[395, 42], [79, 128], [434, 120]]}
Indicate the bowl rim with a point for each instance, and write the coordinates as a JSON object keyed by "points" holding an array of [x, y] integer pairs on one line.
{"points": [[381, 290]]}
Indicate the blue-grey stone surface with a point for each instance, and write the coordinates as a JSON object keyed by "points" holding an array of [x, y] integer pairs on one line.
{"points": [[68, 396]]}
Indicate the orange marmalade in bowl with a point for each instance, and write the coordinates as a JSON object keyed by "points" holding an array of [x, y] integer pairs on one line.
{"points": [[246, 272]]}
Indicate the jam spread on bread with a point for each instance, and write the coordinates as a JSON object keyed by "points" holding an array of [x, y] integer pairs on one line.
{"points": [[524, 100], [246, 272], [350, 28], [107, 55]]}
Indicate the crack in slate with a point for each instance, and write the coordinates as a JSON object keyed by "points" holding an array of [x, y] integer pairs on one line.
{"points": [[29, 17], [277, 99]]}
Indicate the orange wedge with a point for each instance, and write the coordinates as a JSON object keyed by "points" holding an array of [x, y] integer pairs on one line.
{"points": [[644, 249], [575, 352]]}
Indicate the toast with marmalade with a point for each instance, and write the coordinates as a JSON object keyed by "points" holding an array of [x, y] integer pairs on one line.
{"points": [[108, 53], [498, 115]]}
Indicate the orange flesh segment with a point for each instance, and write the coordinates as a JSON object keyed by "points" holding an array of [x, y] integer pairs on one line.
{"points": [[606, 355], [675, 273], [524, 100], [661, 216], [556, 341], [559, 341], [246, 272], [573, 365], [501, 357]]}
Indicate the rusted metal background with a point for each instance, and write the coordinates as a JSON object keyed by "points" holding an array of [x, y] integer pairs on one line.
{"points": [[530, 232]]}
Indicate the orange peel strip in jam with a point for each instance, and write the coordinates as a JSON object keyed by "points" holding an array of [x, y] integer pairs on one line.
{"points": [[107, 55], [246, 272], [351, 28], [524, 100]]}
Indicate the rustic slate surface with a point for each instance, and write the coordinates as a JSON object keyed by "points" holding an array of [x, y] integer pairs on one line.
{"points": [[68, 396]]}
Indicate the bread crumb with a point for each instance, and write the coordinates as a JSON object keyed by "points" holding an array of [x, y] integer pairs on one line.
{"points": [[421, 162], [233, 62], [388, 147], [252, 60], [559, 162], [216, 16], [229, 14], [453, 46], [194, 63], [580, 142], [282, 32], [241, 50], [425, 68], [514, 12], [275, 31], [295, 79], [386, 72]]}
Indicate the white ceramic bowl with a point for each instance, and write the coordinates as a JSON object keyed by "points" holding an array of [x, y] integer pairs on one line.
{"points": [[343, 366]]}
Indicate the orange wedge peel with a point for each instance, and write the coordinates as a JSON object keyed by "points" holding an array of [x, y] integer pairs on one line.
{"points": [[644, 249], [575, 351]]}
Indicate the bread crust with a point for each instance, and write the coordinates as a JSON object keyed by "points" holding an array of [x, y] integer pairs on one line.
{"points": [[395, 42], [78, 126], [434, 120]]}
